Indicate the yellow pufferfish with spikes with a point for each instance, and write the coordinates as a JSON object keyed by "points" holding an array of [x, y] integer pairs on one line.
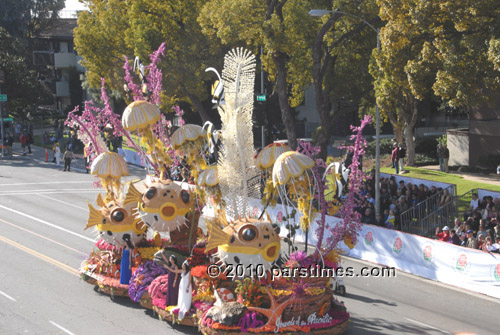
{"points": [[164, 205], [116, 223], [249, 242]]}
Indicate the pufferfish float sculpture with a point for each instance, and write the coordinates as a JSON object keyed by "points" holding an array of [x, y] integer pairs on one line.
{"points": [[165, 206], [116, 223], [246, 242]]}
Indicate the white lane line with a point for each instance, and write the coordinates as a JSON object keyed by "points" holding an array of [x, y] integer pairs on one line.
{"points": [[7, 296], [44, 237], [47, 183], [426, 325], [62, 202], [61, 328], [58, 192], [49, 190], [47, 223]]}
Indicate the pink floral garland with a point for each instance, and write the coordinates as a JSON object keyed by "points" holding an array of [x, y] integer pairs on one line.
{"points": [[351, 220]]}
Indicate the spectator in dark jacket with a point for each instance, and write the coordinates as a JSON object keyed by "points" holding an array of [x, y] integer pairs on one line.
{"points": [[454, 237]]}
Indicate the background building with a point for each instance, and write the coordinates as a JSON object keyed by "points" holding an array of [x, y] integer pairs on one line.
{"points": [[58, 65]]}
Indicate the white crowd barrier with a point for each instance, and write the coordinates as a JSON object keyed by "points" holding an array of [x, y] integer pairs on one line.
{"points": [[482, 193], [466, 268], [130, 156]]}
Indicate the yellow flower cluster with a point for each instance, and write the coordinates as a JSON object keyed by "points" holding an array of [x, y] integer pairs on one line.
{"points": [[280, 293], [204, 296], [148, 253], [269, 193], [170, 308], [300, 190], [334, 256]]}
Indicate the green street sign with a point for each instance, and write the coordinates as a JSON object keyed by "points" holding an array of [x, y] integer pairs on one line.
{"points": [[7, 119], [3, 97], [261, 97]]}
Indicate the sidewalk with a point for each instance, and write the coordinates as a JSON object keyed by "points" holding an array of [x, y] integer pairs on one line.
{"points": [[479, 177], [38, 154]]}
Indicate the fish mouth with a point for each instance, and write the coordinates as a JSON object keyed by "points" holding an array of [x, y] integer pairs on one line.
{"points": [[168, 212], [271, 252]]}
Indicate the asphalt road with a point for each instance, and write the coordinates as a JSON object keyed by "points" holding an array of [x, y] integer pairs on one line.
{"points": [[42, 242]]}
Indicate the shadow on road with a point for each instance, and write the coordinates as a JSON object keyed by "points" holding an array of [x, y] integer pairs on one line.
{"points": [[368, 300], [376, 326]]}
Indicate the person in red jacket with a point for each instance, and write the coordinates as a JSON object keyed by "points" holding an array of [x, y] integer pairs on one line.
{"points": [[24, 140], [443, 236], [395, 158]]}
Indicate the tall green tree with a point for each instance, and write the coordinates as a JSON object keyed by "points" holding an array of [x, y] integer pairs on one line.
{"points": [[447, 48], [341, 51], [24, 18], [284, 30], [25, 92], [114, 29], [405, 66]]}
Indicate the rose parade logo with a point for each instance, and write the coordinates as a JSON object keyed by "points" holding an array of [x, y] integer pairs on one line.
{"points": [[398, 246], [496, 272], [368, 238], [255, 211], [462, 264], [427, 254]]}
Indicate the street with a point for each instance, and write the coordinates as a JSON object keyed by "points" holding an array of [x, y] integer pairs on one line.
{"points": [[43, 212]]}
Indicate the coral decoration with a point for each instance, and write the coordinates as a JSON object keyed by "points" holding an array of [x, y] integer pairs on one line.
{"points": [[272, 313], [157, 290], [142, 278]]}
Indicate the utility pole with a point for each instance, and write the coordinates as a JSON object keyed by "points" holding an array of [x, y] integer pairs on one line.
{"points": [[262, 92], [2, 79]]}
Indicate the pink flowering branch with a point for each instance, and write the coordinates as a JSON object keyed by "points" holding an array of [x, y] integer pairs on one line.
{"points": [[107, 116], [351, 219], [154, 76], [179, 112], [87, 125], [132, 86]]}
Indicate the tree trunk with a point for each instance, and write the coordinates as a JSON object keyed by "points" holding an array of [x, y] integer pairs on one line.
{"points": [[410, 123], [321, 61], [398, 131], [198, 106], [282, 90]]}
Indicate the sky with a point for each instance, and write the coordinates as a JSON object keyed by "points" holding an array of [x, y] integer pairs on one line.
{"points": [[74, 5]]}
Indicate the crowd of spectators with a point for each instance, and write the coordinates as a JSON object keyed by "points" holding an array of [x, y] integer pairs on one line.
{"points": [[480, 228], [396, 198], [485, 238]]}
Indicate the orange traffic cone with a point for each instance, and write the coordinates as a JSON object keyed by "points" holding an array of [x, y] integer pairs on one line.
{"points": [[46, 155]]}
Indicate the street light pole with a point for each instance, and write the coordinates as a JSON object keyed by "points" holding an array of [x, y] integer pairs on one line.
{"points": [[322, 12], [2, 74], [377, 147]]}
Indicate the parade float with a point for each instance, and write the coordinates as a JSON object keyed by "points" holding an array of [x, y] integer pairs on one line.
{"points": [[238, 270]]}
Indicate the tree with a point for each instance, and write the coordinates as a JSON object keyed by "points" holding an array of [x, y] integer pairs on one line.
{"points": [[113, 29], [446, 48], [404, 66], [465, 37], [21, 85], [341, 52], [284, 30], [24, 18]]}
